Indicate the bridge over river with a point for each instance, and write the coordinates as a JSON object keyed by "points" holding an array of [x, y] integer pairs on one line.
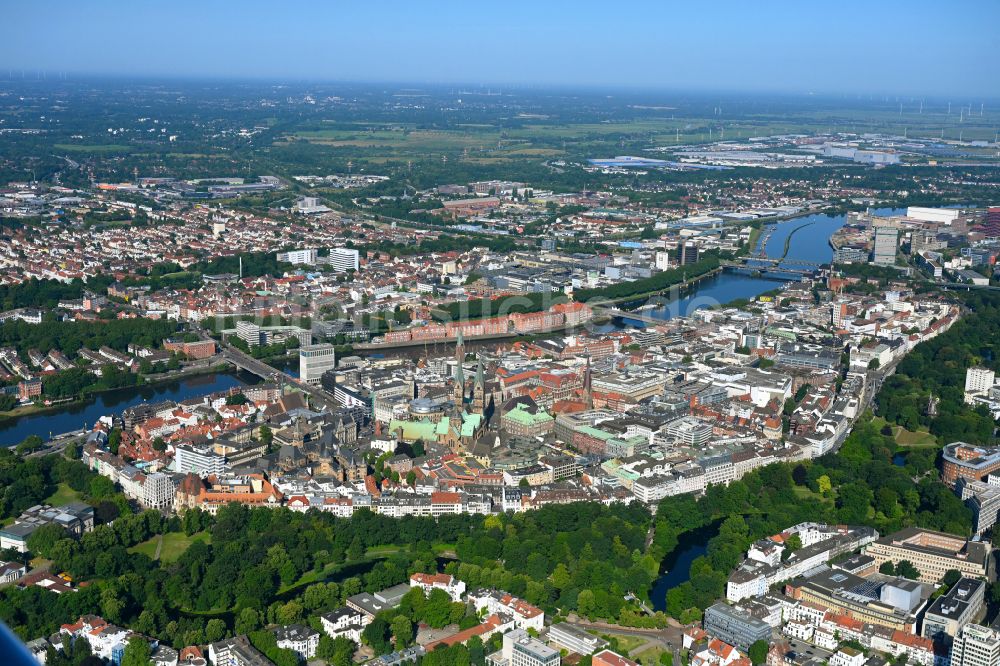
{"points": [[791, 271]]}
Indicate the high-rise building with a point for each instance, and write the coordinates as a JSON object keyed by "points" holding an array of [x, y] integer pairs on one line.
{"points": [[976, 646], [158, 491], [297, 257], [662, 260], [979, 380], [886, 241], [248, 332], [687, 253], [984, 500], [840, 313], [343, 259], [314, 360], [991, 227]]}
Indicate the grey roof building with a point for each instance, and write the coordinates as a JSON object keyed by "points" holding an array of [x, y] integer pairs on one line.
{"points": [[734, 626], [373, 604], [961, 605]]}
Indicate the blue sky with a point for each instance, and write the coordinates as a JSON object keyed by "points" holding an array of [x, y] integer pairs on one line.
{"points": [[915, 47]]}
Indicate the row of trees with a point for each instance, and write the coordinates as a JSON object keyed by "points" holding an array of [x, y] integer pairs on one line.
{"points": [[659, 282]]}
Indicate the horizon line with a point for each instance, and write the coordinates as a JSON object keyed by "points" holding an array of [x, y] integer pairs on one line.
{"points": [[66, 76]]}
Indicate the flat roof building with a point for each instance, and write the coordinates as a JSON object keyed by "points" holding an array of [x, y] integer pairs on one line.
{"points": [[314, 360], [343, 259], [520, 649], [858, 598], [76, 518], [949, 613], [932, 553], [976, 646], [735, 626], [886, 242], [962, 460], [575, 640], [373, 604]]}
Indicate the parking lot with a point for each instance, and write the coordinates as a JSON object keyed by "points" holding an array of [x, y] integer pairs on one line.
{"points": [[810, 651]]}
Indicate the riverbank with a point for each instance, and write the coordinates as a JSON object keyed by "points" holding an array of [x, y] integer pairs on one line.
{"points": [[148, 381], [49, 421]]}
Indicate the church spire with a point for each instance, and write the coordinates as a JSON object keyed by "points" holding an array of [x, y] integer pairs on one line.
{"points": [[459, 384], [587, 390], [479, 390]]}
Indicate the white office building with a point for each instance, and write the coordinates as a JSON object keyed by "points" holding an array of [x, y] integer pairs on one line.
{"points": [[157, 492], [201, 460], [575, 640], [346, 622], [343, 259], [662, 260], [976, 646], [453, 587], [520, 649], [248, 332], [298, 638], [314, 360], [298, 257]]}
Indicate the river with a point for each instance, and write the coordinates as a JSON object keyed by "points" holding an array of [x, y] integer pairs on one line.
{"points": [[85, 414], [809, 243], [808, 240]]}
